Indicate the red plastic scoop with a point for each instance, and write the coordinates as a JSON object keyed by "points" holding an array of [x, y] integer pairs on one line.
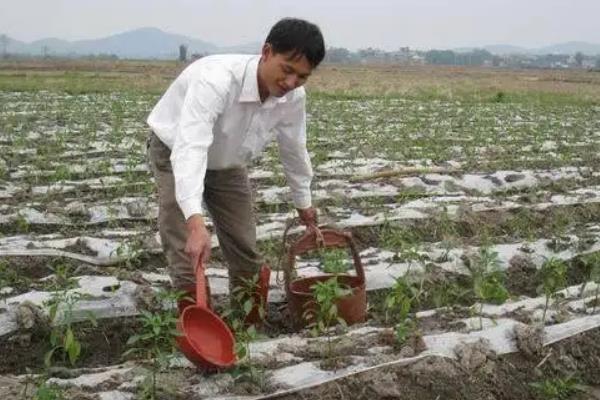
{"points": [[205, 339]]}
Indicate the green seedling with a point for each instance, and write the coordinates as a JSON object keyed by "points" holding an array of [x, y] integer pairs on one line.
{"points": [[403, 330], [553, 274], [487, 280], [411, 253], [62, 279], [557, 389], [61, 174], [10, 276], [399, 300], [48, 392], [446, 292], [21, 223], [156, 342], [242, 304], [591, 264], [334, 261], [325, 312], [132, 252], [63, 339], [396, 238]]}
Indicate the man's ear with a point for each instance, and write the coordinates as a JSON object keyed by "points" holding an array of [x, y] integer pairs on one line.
{"points": [[267, 51]]}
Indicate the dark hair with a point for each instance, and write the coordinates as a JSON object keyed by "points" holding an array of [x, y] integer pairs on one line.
{"points": [[299, 37]]}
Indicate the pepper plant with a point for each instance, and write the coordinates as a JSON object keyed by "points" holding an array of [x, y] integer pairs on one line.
{"points": [[156, 341], [553, 274], [487, 279], [324, 312]]}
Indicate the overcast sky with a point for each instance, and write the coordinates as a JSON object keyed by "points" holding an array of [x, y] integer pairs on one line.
{"points": [[387, 24]]}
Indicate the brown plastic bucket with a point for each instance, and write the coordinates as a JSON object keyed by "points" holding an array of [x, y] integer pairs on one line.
{"points": [[352, 308]]}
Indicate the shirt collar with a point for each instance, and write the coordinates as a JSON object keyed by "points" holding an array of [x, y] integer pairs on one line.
{"points": [[250, 91]]}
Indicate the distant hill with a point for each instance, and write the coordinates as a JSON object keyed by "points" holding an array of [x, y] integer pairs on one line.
{"points": [[155, 43], [138, 43]]}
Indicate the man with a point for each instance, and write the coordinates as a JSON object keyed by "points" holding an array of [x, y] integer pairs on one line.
{"points": [[218, 114]]}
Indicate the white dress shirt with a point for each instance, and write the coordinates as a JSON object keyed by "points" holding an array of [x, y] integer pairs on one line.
{"points": [[211, 117]]}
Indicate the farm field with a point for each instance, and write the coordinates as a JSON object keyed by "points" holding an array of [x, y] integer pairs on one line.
{"points": [[473, 196]]}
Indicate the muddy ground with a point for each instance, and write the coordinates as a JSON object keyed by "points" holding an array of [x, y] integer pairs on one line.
{"points": [[476, 376]]}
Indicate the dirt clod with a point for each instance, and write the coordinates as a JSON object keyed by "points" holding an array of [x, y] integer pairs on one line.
{"points": [[146, 299], [384, 387], [510, 178], [30, 316], [530, 340], [471, 356], [522, 276]]}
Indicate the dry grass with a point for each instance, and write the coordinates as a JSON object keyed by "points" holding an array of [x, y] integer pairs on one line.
{"points": [[435, 82], [455, 82]]}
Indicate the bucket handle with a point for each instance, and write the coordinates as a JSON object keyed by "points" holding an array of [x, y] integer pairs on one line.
{"points": [[315, 238]]}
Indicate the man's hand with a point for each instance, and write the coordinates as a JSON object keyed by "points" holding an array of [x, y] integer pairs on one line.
{"points": [[198, 243], [308, 216]]}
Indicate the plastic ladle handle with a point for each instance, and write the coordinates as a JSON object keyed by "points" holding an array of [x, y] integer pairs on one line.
{"points": [[201, 300]]}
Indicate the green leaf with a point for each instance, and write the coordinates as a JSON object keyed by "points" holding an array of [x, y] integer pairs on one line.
{"points": [[69, 339], [133, 339], [130, 351], [247, 306], [48, 357], [74, 351]]}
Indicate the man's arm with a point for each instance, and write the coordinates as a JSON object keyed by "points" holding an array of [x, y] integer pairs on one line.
{"points": [[291, 138], [202, 105]]}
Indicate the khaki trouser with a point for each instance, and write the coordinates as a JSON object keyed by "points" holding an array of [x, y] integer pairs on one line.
{"points": [[228, 199]]}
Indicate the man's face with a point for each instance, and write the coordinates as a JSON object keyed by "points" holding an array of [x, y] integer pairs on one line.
{"points": [[281, 72]]}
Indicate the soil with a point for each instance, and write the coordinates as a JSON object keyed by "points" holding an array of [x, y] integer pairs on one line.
{"points": [[578, 272], [522, 277], [101, 345], [484, 376]]}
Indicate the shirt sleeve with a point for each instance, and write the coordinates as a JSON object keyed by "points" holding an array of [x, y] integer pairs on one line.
{"points": [[291, 139], [203, 103]]}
